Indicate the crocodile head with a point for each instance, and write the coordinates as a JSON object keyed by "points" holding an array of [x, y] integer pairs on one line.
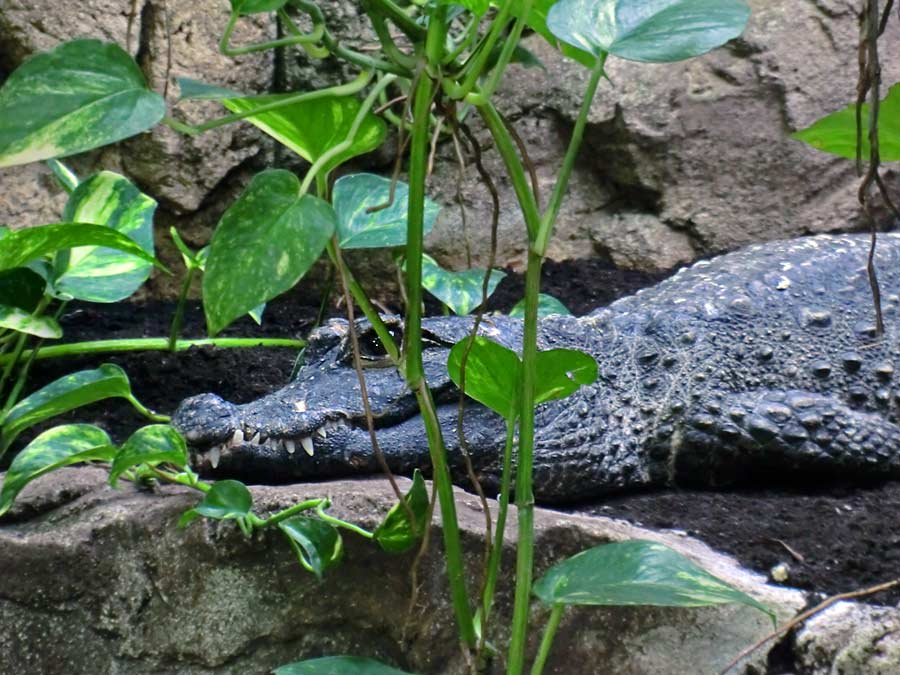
{"points": [[315, 427]]}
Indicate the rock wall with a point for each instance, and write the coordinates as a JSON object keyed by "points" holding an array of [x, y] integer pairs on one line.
{"points": [[680, 160], [97, 580]]}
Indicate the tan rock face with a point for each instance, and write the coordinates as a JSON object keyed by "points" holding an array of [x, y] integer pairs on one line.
{"points": [[97, 580], [680, 160]]}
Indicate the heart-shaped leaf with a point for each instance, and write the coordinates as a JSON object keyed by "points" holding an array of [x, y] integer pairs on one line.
{"points": [[397, 533], [460, 291], [66, 393], [537, 21], [226, 500], [636, 572], [561, 372], [22, 246], [264, 243], [654, 31], [21, 287], [99, 274], [55, 448], [311, 128], [836, 133], [547, 305], [338, 665], [359, 226], [81, 95], [493, 375], [24, 322], [317, 544], [153, 444], [191, 89]]}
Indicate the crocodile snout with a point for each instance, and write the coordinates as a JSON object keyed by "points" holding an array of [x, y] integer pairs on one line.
{"points": [[206, 419]]}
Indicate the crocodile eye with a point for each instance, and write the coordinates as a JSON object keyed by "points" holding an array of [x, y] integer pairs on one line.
{"points": [[371, 347]]}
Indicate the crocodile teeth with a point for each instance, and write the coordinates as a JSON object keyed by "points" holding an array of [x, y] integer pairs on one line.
{"points": [[321, 432], [238, 437], [277, 443], [307, 444], [290, 446], [255, 439], [215, 454]]}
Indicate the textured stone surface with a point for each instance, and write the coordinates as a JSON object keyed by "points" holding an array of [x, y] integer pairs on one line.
{"points": [[681, 160], [97, 580], [850, 639]]}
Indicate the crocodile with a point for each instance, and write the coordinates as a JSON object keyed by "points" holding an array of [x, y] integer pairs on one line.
{"points": [[761, 364]]}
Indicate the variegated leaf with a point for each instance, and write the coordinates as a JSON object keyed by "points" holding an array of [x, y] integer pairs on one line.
{"points": [[264, 243], [368, 216], [79, 96], [99, 274], [460, 291], [23, 322], [311, 128]]}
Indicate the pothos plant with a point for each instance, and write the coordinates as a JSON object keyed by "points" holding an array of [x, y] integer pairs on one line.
{"points": [[436, 65]]}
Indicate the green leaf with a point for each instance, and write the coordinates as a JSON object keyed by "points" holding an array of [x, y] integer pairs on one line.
{"points": [[153, 444], [22, 246], [396, 533], [190, 88], [537, 21], [21, 287], [357, 227], [66, 393], [226, 500], [836, 133], [317, 544], [547, 305], [460, 291], [24, 322], [636, 572], [338, 665], [53, 449], [311, 128], [493, 375], [477, 7], [264, 243], [79, 96], [100, 274], [654, 31], [561, 372]]}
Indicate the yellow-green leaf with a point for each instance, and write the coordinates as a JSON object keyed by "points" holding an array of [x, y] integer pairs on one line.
{"points": [[81, 95], [101, 274]]}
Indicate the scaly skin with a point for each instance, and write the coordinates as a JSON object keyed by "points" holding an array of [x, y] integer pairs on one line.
{"points": [[757, 364]]}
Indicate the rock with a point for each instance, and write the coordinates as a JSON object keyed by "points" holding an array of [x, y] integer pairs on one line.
{"points": [[850, 639], [680, 160], [101, 580]]}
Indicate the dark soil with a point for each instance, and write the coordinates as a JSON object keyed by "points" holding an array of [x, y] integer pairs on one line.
{"points": [[835, 539]]}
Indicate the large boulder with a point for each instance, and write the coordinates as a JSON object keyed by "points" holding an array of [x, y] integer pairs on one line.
{"points": [[100, 580]]}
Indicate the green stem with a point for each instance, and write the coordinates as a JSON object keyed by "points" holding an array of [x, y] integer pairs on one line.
{"points": [[418, 157], [547, 641], [148, 344], [509, 45], [506, 146], [401, 19], [524, 467], [178, 319], [295, 39], [347, 89], [10, 361], [292, 511], [499, 534], [337, 522], [565, 172], [146, 412], [474, 69]]}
